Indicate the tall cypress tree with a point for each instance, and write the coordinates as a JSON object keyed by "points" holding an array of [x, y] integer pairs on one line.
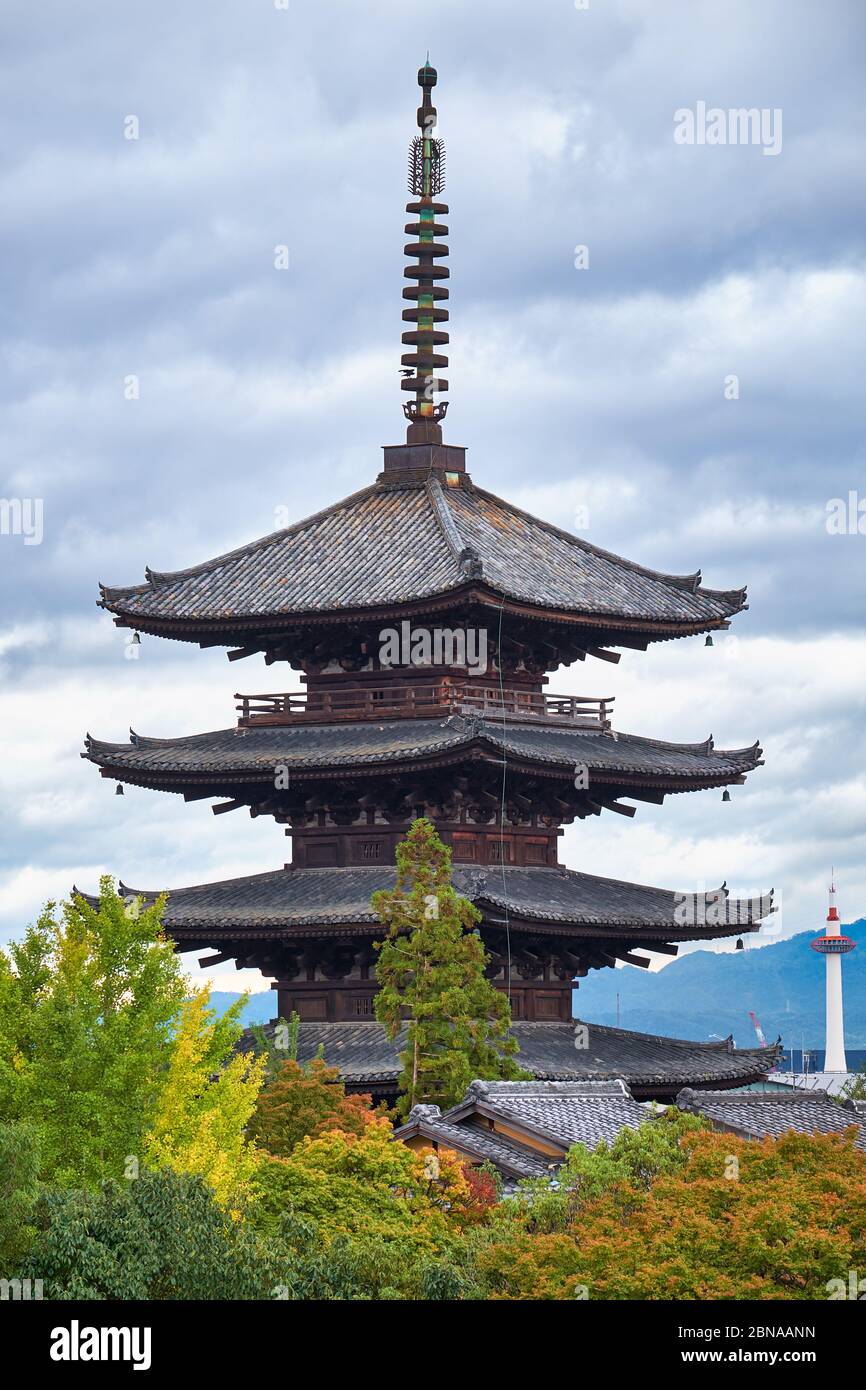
{"points": [[431, 977]]}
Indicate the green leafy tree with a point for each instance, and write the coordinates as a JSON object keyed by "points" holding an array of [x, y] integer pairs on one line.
{"points": [[636, 1157], [87, 1003], [855, 1089], [281, 1047], [369, 1267], [161, 1236], [19, 1193], [431, 976]]}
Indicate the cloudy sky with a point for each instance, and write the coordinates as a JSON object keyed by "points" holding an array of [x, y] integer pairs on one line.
{"points": [[266, 392]]}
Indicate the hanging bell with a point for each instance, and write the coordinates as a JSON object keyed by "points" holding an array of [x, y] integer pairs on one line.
{"points": [[726, 795], [136, 640], [118, 790], [740, 946], [709, 641]]}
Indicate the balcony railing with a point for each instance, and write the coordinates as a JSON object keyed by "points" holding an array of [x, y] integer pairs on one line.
{"points": [[421, 701]]}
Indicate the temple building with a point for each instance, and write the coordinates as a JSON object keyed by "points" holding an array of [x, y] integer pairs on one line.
{"points": [[425, 616]]}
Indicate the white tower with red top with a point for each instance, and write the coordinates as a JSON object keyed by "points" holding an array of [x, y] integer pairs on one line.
{"points": [[833, 946]]}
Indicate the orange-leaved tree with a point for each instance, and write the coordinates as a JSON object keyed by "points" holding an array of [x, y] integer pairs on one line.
{"points": [[779, 1219], [305, 1100]]}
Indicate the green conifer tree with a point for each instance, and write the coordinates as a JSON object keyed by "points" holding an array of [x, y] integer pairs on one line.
{"points": [[431, 977]]}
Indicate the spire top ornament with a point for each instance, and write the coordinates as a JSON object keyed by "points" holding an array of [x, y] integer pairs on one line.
{"points": [[425, 336]]}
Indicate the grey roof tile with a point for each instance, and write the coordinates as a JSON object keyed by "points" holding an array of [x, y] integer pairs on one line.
{"points": [[387, 545], [761, 1114], [516, 1160], [365, 1056], [291, 899], [566, 1113], [250, 751]]}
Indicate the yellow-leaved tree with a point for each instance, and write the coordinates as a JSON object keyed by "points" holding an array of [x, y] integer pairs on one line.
{"points": [[209, 1094]]}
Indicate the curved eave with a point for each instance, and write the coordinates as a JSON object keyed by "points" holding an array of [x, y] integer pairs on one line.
{"points": [[129, 762], [290, 903], [230, 629], [391, 546], [652, 1067]]}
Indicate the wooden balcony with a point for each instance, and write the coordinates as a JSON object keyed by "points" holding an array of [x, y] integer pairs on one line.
{"points": [[421, 701]]}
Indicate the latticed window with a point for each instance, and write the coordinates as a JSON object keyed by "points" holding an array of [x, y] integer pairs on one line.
{"points": [[363, 1006], [500, 851], [463, 849], [371, 849]]}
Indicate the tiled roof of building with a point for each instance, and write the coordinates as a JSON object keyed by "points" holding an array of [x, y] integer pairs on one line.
{"points": [[556, 1113], [759, 1114], [246, 752], [564, 1112], [645, 1062], [515, 1160], [292, 899], [388, 545]]}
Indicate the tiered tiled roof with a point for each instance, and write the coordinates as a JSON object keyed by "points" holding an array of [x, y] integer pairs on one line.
{"points": [[424, 541], [651, 1066], [248, 752], [390, 545], [306, 900]]}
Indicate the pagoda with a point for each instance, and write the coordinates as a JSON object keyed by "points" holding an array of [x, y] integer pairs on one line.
{"points": [[425, 616]]}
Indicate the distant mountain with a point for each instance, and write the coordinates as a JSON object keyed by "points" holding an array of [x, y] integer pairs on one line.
{"points": [[260, 1008], [705, 993]]}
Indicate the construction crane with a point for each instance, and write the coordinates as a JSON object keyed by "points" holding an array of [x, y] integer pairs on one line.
{"points": [[759, 1032]]}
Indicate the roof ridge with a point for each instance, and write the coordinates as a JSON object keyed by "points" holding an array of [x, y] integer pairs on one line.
{"points": [[724, 1045], [160, 578], [739, 752], [562, 869], [615, 1085], [754, 1097], [145, 741], [706, 745], [688, 582], [445, 519]]}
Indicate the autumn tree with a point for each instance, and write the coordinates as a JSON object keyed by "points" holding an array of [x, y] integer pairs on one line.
{"points": [[112, 1060], [727, 1218], [431, 978], [305, 1099], [366, 1185], [636, 1157], [205, 1101]]}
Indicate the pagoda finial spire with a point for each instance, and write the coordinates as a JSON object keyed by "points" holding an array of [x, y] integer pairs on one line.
{"points": [[426, 180]]}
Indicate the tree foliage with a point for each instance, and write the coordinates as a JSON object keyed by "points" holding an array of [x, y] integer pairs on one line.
{"points": [[635, 1156], [431, 976], [87, 1003], [366, 1185], [161, 1236], [205, 1102], [19, 1192], [305, 1100], [733, 1219]]}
